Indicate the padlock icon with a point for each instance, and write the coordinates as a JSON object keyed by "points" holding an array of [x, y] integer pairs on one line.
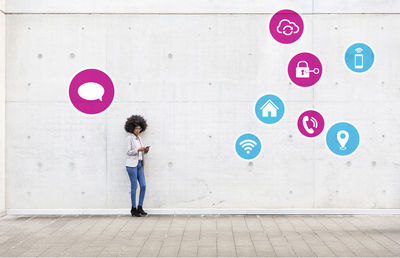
{"points": [[302, 70]]}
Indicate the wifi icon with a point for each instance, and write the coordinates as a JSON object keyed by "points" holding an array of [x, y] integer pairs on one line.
{"points": [[248, 146], [358, 50]]}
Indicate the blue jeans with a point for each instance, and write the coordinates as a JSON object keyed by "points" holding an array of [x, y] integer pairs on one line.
{"points": [[137, 174]]}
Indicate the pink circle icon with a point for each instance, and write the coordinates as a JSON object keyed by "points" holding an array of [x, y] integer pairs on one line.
{"points": [[286, 26], [310, 123], [91, 91], [305, 69]]}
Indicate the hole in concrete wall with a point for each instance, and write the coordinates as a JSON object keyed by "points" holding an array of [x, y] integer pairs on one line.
{"points": [[28, 136], [82, 193], [383, 136], [210, 136], [170, 164], [39, 164], [290, 136], [373, 163], [29, 84], [170, 56], [209, 28], [336, 83], [130, 28], [383, 191], [130, 84], [336, 28], [251, 164], [348, 163], [29, 28], [40, 56], [83, 137], [210, 83], [290, 192], [250, 54], [381, 27], [82, 28], [72, 55]]}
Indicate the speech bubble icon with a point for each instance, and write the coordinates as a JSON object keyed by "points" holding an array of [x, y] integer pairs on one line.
{"points": [[91, 91]]}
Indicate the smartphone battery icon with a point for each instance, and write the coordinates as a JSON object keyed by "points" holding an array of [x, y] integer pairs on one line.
{"points": [[358, 61]]}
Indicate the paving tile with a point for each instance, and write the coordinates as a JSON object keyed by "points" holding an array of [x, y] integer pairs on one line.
{"points": [[195, 235]]}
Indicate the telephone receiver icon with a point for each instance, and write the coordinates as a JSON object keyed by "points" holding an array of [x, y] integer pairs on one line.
{"points": [[308, 130]]}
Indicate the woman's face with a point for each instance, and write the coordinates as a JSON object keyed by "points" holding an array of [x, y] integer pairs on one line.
{"points": [[137, 130]]}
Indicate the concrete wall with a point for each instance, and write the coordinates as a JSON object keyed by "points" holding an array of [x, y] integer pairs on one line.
{"points": [[2, 106], [195, 69]]}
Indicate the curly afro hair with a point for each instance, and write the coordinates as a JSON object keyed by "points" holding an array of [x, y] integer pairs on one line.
{"points": [[133, 121]]}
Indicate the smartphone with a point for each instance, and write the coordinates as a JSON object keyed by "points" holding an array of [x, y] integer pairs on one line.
{"points": [[358, 60], [148, 146]]}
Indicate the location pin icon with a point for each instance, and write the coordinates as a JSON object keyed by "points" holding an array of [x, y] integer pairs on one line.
{"points": [[342, 137]]}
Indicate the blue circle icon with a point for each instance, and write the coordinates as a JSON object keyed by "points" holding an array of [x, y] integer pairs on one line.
{"points": [[248, 146], [269, 109], [359, 57], [342, 139]]}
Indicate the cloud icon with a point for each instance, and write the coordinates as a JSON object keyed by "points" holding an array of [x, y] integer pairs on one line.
{"points": [[287, 27], [91, 91]]}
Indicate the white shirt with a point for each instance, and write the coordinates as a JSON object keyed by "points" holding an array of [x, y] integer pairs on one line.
{"points": [[138, 142], [133, 155]]}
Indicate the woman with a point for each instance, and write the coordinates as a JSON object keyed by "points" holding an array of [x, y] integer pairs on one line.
{"points": [[134, 163]]}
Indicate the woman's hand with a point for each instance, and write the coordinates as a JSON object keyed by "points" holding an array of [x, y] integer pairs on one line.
{"points": [[146, 150], [142, 149]]}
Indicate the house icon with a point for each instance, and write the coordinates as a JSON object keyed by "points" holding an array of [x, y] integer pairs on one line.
{"points": [[269, 109]]}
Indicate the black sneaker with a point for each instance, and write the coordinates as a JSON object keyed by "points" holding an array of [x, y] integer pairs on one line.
{"points": [[135, 212], [141, 211]]}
